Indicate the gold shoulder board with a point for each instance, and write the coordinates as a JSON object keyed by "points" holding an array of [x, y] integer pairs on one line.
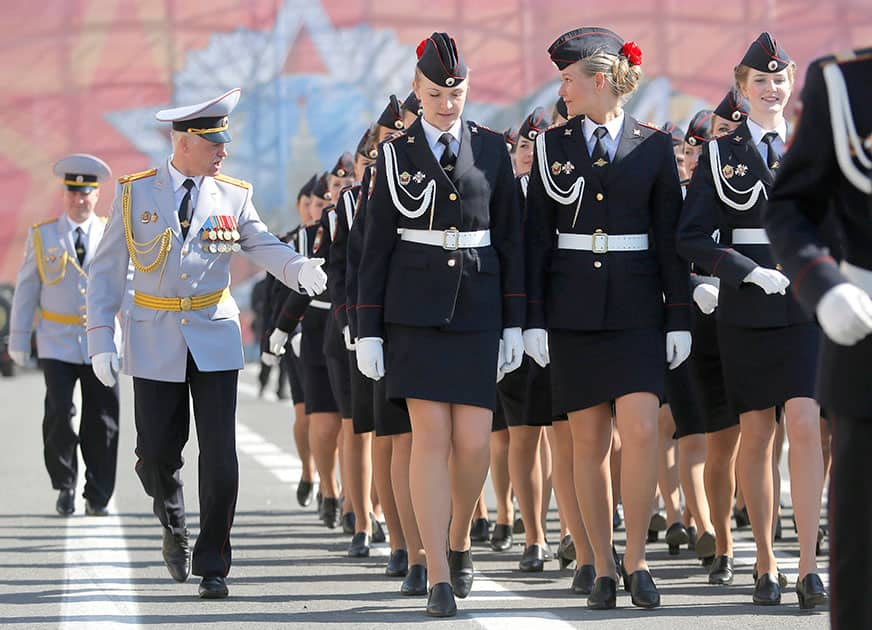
{"points": [[232, 180], [36, 226], [140, 175]]}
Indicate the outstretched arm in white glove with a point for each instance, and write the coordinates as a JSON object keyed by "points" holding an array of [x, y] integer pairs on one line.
{"points": [[312, 278], [845, 314], [678, 344], [511, 349], [371, 358], [277, 340], [536, 345], [105, 366], [770, 280]]}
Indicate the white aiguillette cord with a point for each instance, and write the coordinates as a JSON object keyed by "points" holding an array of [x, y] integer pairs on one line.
{"points": [[566, 197], [719, 181], [426, 198], [845, 131]]}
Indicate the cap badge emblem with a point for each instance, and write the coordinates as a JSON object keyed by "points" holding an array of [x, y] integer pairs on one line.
{"points": [[691, 141], [79, 179], [533, 133], [736, 115], [398, 124], [340, 172], [449, 81], [773, 65]]}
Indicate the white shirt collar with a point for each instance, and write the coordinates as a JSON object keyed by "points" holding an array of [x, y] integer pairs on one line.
{"points": [[614, 127], [85, 225], [757, 132], [178, 178], [433, 133]]}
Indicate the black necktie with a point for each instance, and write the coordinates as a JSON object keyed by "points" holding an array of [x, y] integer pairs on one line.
{"points": [[600, 156], [185, 207], [448, 159], [772, 155], [80, 246]]}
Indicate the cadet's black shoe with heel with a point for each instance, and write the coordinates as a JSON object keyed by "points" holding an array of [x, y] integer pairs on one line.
{"points": [[441, 603], [566, 551], [582, 581], [176, 554], [811, 592], [501, 538], [767, 591], [721, 571], [305, 492], [603, 595], [398, 563], [462, 572], [416, 581], [213, 588], [533, 560], [479, 531], [359, 547], [676, 536], [640, 586]]}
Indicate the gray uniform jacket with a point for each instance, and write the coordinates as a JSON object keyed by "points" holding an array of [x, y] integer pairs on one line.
{"points": [[52, 282], [157, 341]]}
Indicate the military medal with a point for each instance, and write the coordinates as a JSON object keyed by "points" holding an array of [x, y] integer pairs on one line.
{"points": [[556, 168], [568, 168], [741, 169], [405, 178], [213, 248], [236, 247], [727, 171], [235, 235], [419, 177], [154, 217], [146, 217]]}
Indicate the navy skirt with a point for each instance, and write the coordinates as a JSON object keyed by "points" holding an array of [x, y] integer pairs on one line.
{"points": [[593, 367], [361, 398], [707, 374], [525, 395]]}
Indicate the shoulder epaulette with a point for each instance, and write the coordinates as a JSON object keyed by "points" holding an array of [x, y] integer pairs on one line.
{"points": [[140, 175], [475, 125], [232, 180], [393, 137], [36, 226], [653, 126]]}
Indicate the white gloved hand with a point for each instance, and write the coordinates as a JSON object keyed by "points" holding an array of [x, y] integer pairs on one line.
{"points": [[346, 335], [500, 374], [19, 357], [277, 340], [845, 314], [312, 278], [371, 358], [268, 358], [105, 366], [536, 345], [678, 344], [511, 349], [770, 280], [706, 298], [296, 344]]}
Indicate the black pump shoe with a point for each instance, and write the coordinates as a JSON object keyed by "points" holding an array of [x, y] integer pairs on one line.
{"points": [[583, 580], [441, 602], [305, 492], [643, 592], [566, 551], [767, 592], [676, 536], [533, 560], [416, 581], [359, 547], [501, 538], [479, 531], [398, 563], [811, 592], [721, 571], [603, 596], [462, 572]]}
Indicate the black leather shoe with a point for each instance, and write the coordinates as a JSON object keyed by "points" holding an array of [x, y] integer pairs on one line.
{"points": [[305, 493], [501, 538], [378, 530], [676, 536], [441, 603], [691, 538], [331, 512], [348, 523], [66, 503], [176, 554], [416, 581], [643, 592], [721, 571], [767, 592], [95, 509], [359, 547], [532, 560], [566, 551], [782, 579], [462, 571], [480, 530], [603, 595], [582, 581], [705, 546], [811, 592], [213, 588], [398, 563], [518, 526], [741, 516]]}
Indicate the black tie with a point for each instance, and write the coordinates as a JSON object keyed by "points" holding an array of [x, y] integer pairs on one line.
{"points": [[80, 246], [600, 156], [185, 207], [772, 155], [448, 159]]}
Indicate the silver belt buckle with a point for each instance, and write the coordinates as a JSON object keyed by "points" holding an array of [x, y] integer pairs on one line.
{"points": [[600, 243], [451, 239]]}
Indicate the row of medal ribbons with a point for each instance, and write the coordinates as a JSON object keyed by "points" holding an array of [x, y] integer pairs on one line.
{"points": [[219, 235]]}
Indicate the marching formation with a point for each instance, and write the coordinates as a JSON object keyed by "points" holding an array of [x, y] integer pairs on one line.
{"points": [[617, 312]]}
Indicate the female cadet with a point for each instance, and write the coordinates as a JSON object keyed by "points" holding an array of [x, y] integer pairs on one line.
{"points": [[698, 131], [604, 172], [440, 294], [768, 344]]}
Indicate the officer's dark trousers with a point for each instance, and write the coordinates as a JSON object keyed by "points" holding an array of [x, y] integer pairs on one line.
{"points": [[850, 507], [98, 429], [162, 424]]}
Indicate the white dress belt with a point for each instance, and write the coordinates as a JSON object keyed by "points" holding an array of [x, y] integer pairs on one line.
{"points": [[324, 306], [750, 236], [858, 276], [446, 239], [601, 243]]}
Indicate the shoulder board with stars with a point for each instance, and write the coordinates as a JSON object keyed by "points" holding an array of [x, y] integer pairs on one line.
{"points": [[232, 180], [395, 137], [475, 127], [140, 175], [653, 127], [36, 226], [845, 57]]}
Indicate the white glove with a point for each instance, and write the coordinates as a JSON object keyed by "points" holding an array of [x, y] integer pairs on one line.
{"points": [[312, 278], [500, 374], [346, 335], [19, 357], [277, 340], [678, 344], [296, 344], [536, 345], [105, 366], [511, 350], [268, 358], [371, 357], [845, 314], [706, 298], [770, 280]]}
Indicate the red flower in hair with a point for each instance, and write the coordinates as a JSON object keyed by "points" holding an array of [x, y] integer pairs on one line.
{"points": [[421, 47], [632, 52]]}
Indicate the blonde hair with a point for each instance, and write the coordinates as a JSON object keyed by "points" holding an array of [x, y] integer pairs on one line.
{"points": [[741, 72], [623, 78]]}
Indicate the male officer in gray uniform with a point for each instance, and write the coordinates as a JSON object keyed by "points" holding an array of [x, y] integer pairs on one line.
{"points": [[179, 225], [53, 281]]}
